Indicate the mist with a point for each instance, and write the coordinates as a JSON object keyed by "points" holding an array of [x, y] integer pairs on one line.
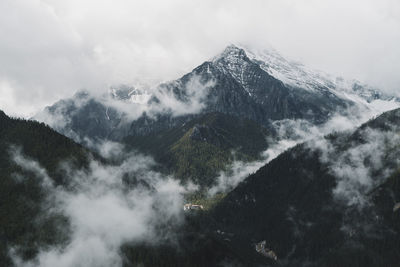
{"points": [[293, 132], [103, 211], [360, 160]]}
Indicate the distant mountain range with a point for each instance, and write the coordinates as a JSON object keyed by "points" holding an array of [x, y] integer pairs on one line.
{"points": [[261, 86]]}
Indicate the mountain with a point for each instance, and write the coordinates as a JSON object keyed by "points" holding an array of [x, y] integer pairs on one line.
{"points": [[333, 201], [329, 202], [25, 221], [240, 87], [295, 74], [261, 87], [31, 221], [258, 85]]}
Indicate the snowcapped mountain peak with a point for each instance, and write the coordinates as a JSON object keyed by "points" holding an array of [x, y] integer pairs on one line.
{"points": [[231, 53], [231, 59], [235, 58], [234, 61], [296, 75], [291, 73]]}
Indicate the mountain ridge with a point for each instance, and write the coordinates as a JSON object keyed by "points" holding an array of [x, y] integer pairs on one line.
{"points": [[231, 84]]}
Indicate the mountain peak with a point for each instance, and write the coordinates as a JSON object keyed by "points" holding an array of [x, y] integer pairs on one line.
{"points": [[231, 53], [232, 48]]}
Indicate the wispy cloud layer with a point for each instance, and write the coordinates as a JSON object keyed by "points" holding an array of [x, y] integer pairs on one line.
{"points": [[105, 210]]}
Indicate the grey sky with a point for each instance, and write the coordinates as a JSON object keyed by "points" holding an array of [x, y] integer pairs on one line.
{"points": [[51, 48]]}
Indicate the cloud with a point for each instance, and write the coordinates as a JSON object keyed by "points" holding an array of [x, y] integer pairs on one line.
{"points": [[104, 212], [112, 112], [31, 166], [359, 169], [293, 132], [359, 163], [195, 93], [62, 46], [162, 99], [239, 170]]}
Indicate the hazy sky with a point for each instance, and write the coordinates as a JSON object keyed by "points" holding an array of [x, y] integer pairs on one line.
{"points": [[51, 48]]}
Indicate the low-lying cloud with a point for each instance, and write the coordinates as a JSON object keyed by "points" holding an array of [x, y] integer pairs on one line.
{"points": [[361, 165], [104, 211], [293, 132], [239, 170], [112, 112]]}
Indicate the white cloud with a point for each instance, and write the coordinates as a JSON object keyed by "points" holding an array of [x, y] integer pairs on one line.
{"points": [[104, 212], [360, 165], [51, 48], [239, 170], [293, 132]]}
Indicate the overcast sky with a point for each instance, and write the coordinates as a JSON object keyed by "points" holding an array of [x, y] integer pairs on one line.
{"points": [[51, 48]]}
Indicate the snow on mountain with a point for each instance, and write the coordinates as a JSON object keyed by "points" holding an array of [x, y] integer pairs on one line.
{"points": [[295, 74], [131, 94], [289, 72], [234, 61], [238, 61], [260, 85]]}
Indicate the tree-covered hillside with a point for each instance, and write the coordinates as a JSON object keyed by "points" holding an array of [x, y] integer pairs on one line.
{"points": [[329, 202], [26, 223], [199, 149]]}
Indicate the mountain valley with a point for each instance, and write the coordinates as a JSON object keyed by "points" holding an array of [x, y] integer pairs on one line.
{"points": [[287, 166]]}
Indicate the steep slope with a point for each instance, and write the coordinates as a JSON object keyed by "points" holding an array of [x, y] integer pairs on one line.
{"points": [[199, 149], [329, 202], [25, 221], [276, 100]]}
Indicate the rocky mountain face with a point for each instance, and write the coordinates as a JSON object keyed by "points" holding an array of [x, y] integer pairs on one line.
{"points": [[242, 88], [329, 202]]}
